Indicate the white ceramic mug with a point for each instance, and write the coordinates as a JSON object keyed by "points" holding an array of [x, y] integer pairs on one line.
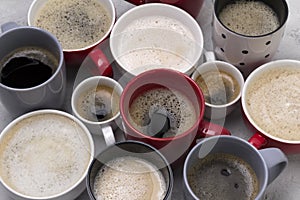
{"points": [[235, 78]]}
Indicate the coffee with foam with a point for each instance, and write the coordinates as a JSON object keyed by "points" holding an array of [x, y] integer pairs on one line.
{"points": [[179, 109], [273, 102], [251, 18], [156, 41], [44, 155], [76, 23], [129, 178]]}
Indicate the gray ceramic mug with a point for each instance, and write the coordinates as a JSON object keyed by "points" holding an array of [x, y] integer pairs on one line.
{"points": [[35, 46], [258, 167]]}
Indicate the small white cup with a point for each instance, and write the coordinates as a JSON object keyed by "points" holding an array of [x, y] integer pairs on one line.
{"points": [[214, 111], [106, 127]]}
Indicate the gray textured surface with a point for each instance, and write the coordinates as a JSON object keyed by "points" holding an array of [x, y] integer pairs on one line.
{"points": [[287, 185]]}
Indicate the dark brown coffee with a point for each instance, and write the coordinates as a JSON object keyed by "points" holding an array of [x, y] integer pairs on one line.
{"points": [[222, 176], [27, 67]]}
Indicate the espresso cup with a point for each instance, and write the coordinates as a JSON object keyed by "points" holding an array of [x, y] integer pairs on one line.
{"points": [[32, 70], [270, 102], [254, 27], [191, 6], [221, 84], [95, 101], [130, 170], [227, 167], [154, 36], [165, 109], [45, 154], [79, 25]]}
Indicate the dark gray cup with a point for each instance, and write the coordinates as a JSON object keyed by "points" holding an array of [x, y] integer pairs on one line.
{"points": [[267, 163], [49, 94]]}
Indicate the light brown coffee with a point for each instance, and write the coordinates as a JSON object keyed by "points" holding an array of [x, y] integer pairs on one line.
{"points": [[222, 176], [98, 103], [129, 178], [179, 108], [44, 155], [76, 23], [251, 18], [273, 102], [218, 87]]}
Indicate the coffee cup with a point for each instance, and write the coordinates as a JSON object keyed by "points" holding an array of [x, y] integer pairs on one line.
{"points": [[221, 84], [32, 69], [270, 102], [228, 167], [154, 36], [165, 109], [45, 154], [130, 170], [192, 7], [80, 26], [95, 101], [247, 33]]}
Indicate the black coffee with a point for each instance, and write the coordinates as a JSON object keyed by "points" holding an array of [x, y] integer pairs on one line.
{"points": [[27, 67], [223, 176]]}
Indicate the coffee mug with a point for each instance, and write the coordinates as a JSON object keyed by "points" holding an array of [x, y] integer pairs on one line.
{"points": [[191, 6], [130, 170], [78, 31], [154, 36], [270, 102], [221, 84], [228, 167], [95, 101], [45, 154], [248, 33], [32, 69], [165, 109]]}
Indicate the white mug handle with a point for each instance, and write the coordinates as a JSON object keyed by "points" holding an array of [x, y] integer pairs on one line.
{"points": [[108, 135], [209, 56]]}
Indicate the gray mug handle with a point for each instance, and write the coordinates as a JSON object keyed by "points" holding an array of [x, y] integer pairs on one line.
{"points": [[8, 25], [276, 162]]}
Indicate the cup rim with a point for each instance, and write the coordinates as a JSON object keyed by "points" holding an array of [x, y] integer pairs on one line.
{"points": [[239, 77], [86, 81], [61, 113], [282, 25], [192, 83], [257, 72], [151, 6], [60, 59], [224, 137], [135, 142], [113, 20]]}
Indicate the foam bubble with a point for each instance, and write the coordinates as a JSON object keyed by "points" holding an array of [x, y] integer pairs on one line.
{"points": [[44, 155]]}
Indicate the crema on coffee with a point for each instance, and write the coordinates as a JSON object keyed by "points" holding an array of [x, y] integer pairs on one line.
{"points": [[44, 155], [273, 102]]}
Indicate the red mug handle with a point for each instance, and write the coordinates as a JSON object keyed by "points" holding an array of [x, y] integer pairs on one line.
{"points": [[100, 60], [258, 141], [136, 2], [209, 129]]}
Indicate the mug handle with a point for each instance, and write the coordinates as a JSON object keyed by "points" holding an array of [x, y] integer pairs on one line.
{"points": [[8, 25], [108, 135], [258, 141], [209, 129], [100, 60], [136, 2], [276, 162]]}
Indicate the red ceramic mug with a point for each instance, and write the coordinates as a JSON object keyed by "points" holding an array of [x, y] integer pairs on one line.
{"points": [[191, 6], [271, 105], [180, 98], [82, 34]]}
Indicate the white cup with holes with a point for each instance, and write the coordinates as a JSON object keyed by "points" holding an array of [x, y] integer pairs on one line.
{"points": [[95, 101]]}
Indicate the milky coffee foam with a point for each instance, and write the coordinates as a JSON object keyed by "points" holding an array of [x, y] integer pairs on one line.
{"points": [[129, 178], [76, 23], [44, 155], [154, 42], [252, 18], [179, 109], [273, 102]]}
